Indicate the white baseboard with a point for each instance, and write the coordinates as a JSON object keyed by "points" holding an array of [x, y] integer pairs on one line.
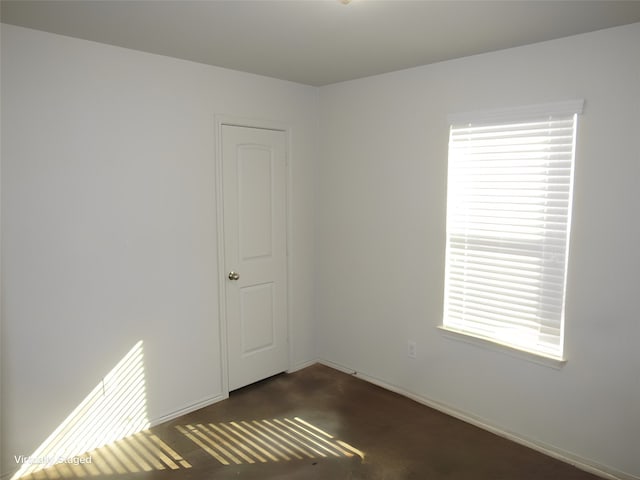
{"points": [[188, 409], [579, 462], [300, 366]]}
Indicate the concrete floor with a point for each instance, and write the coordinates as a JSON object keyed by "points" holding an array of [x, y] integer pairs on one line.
{"points": [[319, 423]]}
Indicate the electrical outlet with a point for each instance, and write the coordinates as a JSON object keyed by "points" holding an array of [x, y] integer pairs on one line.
{"points": [[411, 349]]}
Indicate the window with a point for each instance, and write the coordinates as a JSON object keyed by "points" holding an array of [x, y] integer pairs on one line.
{"points": [[508, 217]]}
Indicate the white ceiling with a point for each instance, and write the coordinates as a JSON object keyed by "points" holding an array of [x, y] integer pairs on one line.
{"points": [[318, 42]]}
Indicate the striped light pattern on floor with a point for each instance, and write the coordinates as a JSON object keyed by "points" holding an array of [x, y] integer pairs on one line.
{"points": [[142, 452], [261, 441]]}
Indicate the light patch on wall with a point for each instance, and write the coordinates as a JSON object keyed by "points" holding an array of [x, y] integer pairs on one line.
{"points": [[115, 408], [261, 441]]}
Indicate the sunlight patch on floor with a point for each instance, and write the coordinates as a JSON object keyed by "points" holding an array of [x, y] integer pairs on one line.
{"points": [[141, 452], [261, 441]]}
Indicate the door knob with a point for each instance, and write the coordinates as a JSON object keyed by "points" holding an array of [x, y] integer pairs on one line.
{"points": [[234, 276]]}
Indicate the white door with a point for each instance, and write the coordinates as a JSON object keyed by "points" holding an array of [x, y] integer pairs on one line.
{"points": [[254, 177]]}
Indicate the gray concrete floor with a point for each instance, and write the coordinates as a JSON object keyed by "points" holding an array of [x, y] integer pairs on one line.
{"points": [[319, 423]]}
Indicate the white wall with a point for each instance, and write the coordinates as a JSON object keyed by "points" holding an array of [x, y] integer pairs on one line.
{"points": [[109, 223], [381, 243], [108, 219]]}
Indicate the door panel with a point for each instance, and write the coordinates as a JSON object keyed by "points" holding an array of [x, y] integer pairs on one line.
{"points": [[257, 318], [255, 168], [254, 217]]}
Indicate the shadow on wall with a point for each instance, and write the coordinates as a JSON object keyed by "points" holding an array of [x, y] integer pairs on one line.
{"points": [[115, 408]]}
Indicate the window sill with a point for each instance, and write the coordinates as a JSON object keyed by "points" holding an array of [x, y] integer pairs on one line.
{"points": [[529, 356]]}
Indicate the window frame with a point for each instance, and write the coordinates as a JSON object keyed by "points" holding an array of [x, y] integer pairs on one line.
{"points": [[507, 117]]}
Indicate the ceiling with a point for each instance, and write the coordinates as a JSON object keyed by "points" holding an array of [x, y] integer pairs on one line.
{"points": [[318, 42]]}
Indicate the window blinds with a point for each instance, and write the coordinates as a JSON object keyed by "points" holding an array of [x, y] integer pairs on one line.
{"points": [[508, 219]]}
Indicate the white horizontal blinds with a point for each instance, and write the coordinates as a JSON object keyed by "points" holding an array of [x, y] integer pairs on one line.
{"points": [[508, 217]]}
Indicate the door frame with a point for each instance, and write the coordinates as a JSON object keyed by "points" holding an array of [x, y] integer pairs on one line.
{"points": [[236, 121]]}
